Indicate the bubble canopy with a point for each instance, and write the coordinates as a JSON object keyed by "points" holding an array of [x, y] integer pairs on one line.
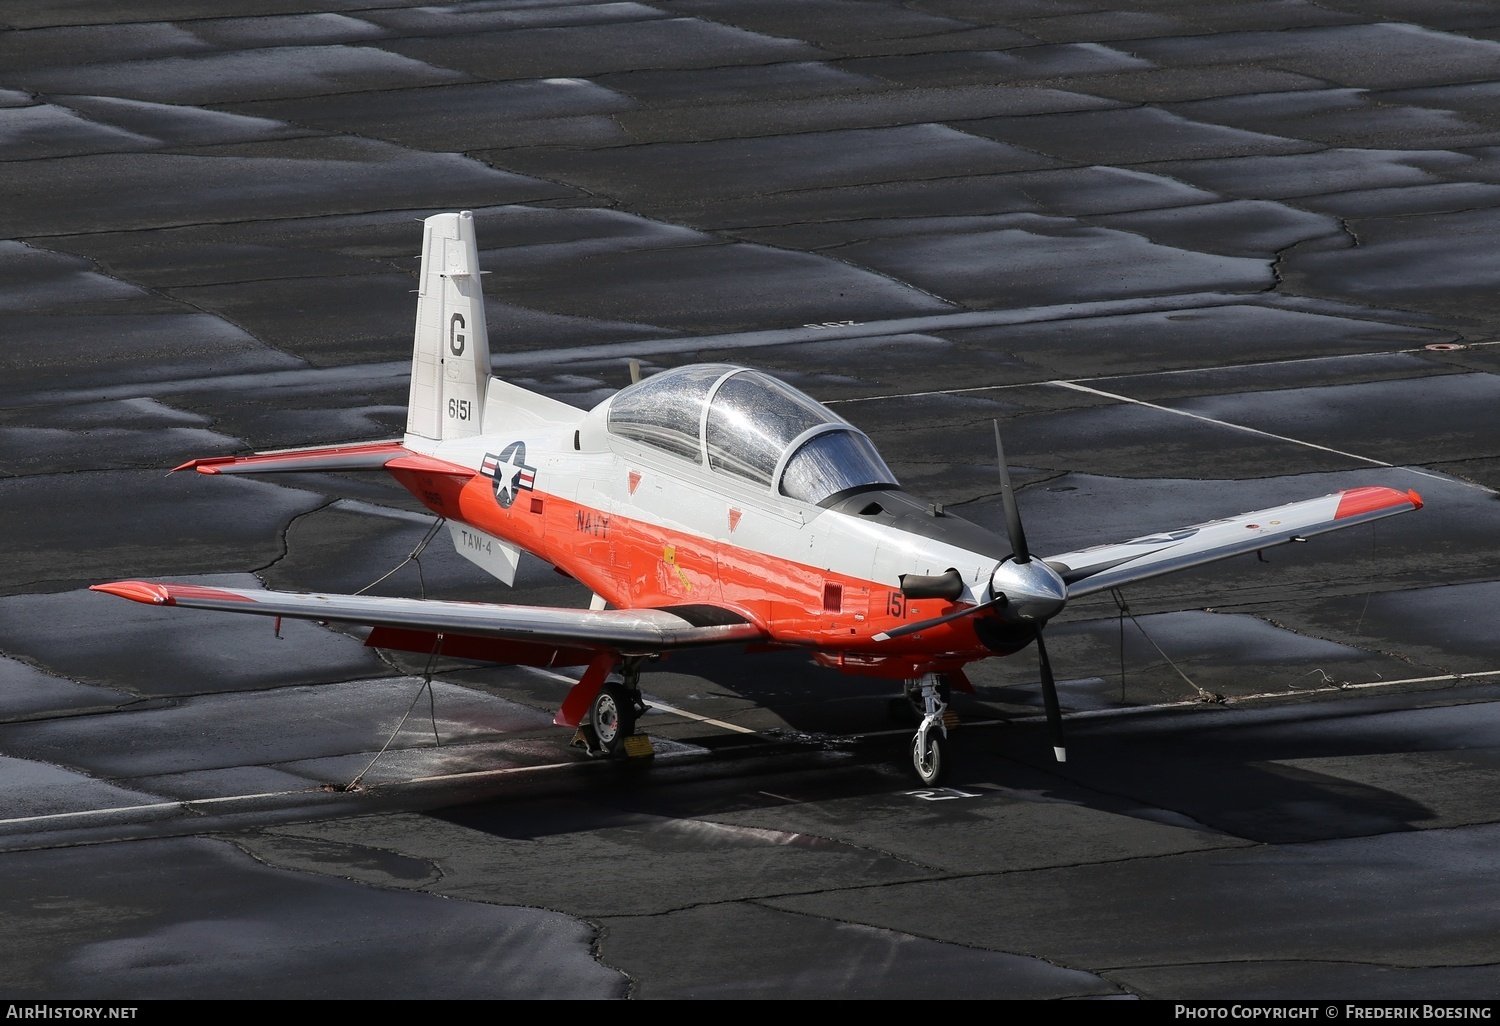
{"points": [[750, 426]]}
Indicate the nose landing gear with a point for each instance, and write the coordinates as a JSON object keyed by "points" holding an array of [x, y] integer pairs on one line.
{"points": [[929, 748]]}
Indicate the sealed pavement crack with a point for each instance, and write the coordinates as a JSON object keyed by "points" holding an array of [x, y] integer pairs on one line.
{"points": [[285, 538]]}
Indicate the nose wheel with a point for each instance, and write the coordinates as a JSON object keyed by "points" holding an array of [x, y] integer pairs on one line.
{"points": [[929, 749], [929, 758]]}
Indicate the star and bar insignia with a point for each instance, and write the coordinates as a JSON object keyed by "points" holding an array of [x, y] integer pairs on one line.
{"points": [[510, 473]]}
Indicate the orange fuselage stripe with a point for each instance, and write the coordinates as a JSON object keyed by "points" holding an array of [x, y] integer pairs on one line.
{"points": [[633, 563]]}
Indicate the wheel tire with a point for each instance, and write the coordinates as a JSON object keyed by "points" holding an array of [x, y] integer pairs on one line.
{"points": [[934, 769], [612, 715]]}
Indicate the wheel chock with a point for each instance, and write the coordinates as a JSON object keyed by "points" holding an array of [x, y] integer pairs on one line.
{"points": [[584, 738], [638, 746]]}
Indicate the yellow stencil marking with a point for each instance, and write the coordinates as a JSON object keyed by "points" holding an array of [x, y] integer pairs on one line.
{"points": [[669, 556]]}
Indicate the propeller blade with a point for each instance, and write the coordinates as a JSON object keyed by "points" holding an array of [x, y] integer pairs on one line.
{"points": [[1008, 498], [1049, 697], [922, 625]]}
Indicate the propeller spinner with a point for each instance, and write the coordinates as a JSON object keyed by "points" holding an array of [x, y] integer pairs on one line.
{"points": [[1032, 592]]}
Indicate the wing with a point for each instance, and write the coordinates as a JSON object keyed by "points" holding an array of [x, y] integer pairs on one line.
{"points": [[616, 630], [1110, 566]]}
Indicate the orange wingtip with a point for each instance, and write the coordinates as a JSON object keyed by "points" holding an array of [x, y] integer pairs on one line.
{"points": [[203, 466], [1367, 500], [167, 594], [136, 591]]}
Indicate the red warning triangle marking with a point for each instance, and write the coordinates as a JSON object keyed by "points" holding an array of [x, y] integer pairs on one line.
{"points": [[734, 519], [635, 479]]}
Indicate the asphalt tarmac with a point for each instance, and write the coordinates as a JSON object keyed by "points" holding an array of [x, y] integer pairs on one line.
{"points": [[1197, 258]]}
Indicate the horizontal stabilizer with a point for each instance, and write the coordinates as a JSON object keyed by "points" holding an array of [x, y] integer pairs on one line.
{"points": [[367, 456], [1111, 566], [620, 630]]}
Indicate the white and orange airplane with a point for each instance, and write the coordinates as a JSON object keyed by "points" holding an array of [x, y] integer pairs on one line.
{"points": [[709, 505]]}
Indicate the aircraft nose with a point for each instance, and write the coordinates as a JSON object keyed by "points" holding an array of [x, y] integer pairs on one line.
{"points": [[1034, 593]]}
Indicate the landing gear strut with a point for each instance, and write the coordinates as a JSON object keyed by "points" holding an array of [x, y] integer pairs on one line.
{"points": [[929, 749]]}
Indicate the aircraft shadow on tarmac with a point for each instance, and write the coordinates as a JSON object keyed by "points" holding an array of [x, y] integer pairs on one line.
{"points": [[1270, 773]]}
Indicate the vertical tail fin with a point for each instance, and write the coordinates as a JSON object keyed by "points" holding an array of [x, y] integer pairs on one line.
{"points": [[450, 363]]}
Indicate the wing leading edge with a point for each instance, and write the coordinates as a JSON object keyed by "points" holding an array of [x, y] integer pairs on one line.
{"points": [[617, 630], [1086, 571]]}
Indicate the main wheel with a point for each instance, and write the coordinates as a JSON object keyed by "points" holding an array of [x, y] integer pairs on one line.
{"points": [[612, 715], [933, 769]]}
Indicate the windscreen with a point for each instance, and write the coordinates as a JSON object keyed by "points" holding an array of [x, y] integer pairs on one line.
{"points": [[833, 462]]}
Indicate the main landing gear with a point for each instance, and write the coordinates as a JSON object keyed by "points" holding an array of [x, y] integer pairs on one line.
{"points": [[609, 729], [929, 749]]}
